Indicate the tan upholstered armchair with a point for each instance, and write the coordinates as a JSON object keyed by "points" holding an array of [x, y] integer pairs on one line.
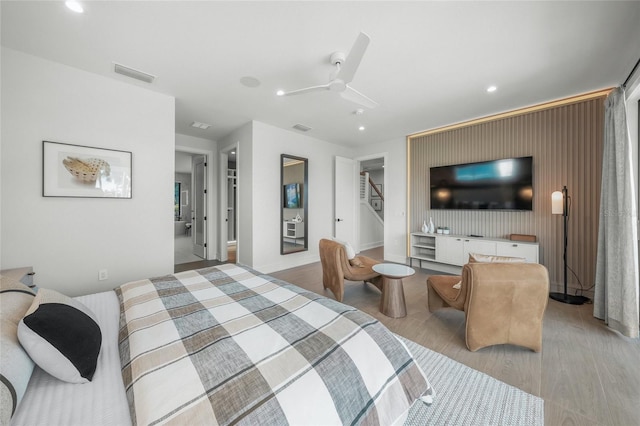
{"points": [[502, 302], [336, 267]]}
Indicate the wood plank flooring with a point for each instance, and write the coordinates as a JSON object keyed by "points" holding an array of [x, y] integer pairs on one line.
{"points": [[586, 373]]}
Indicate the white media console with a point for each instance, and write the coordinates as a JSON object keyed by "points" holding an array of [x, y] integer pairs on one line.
{"points": [[446, 251]]}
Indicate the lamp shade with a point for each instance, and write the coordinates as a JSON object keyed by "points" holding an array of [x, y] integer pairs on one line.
{"points": [[556, 203]]}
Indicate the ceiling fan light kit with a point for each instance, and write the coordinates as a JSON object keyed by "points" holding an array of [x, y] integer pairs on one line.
{"points": [[346, 67]]}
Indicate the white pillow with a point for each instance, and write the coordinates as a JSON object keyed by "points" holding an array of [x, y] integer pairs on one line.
{"points": [[351, 253], [15, 365], [61, 336]]}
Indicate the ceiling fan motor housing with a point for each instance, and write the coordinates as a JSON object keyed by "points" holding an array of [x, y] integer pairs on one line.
{"points": [[338, 58]]}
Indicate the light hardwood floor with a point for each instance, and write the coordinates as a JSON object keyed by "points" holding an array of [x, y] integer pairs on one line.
{"points": [[586, 373]]}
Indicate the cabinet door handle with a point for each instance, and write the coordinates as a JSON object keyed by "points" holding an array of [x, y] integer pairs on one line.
{"points": [[514, 245]]}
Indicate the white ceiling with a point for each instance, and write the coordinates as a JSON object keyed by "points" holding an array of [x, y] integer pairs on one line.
{"points": [[428, 63]]}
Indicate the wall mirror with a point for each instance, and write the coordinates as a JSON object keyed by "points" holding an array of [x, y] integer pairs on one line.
{"points": [[294, 193]]}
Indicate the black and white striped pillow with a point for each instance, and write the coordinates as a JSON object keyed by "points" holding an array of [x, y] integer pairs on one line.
{"points": [[62, 336]]}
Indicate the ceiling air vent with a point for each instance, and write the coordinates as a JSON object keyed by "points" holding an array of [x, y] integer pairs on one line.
{"points": [[302, 127], [199, 125], [133, 73]]}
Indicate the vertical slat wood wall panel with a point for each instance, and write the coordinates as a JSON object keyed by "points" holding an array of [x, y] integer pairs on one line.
{"points": [[566, 145]]}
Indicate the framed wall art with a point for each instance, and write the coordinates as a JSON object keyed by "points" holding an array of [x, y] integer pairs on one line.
{"points": [[292, 199], [83, 171]]}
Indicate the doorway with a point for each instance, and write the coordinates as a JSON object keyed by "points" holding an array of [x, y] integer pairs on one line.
{"points": [[371, 203], [190, 208], [228, 242], [232, 207]]}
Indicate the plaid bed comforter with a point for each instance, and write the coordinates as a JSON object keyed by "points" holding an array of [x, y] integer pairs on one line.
{"points": [[226, 345]]}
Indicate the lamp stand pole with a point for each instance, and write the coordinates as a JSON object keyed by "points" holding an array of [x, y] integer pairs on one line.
{"points": [[564, 297]]}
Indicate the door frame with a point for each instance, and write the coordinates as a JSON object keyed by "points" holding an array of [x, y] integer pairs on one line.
{"points": [[212, 215]]}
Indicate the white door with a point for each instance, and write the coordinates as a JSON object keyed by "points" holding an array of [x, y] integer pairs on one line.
{"points": [[199, 217], [224, 219], [345, 197]]}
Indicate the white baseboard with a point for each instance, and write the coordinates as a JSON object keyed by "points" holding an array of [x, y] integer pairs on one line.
{"points": [[396, 259], [368, 246], [301, 259]]}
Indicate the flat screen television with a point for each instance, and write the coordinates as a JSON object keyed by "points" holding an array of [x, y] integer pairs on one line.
{"points": [[505, 184]]}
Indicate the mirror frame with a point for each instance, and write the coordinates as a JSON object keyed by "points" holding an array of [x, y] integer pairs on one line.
{"points": [[305, 203]]}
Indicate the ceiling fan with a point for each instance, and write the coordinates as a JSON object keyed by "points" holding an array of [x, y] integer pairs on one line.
{"points": [[346, 67]]}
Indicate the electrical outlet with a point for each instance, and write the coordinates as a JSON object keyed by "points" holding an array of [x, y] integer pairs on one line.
{"points": [[102, 275]]}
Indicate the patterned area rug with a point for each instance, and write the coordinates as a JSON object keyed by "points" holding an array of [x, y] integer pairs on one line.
{"points": [[465, 396]]}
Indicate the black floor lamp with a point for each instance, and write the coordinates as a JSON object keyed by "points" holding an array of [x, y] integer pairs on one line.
{"points": [[560, 205]]}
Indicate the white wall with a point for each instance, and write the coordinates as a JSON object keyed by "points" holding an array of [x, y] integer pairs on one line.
{"points": [[192, 145], [67, 240], [183, 160], [196, 144], [371, 227], [268, 144], [395, 205]]}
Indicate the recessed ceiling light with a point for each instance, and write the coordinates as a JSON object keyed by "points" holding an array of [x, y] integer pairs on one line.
{"points": [[491, 89], [74, 5], [361, 128], [233, 153], [280, 92], [199, 125], [249, 81]]}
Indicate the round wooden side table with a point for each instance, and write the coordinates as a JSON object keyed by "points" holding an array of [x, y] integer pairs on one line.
{"points": [[392, 302]]}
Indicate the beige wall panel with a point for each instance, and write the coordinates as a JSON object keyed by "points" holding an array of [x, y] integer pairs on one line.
{"points": [[566, 145]]}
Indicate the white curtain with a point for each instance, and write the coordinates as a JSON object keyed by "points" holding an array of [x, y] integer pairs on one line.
{"points": [[616, 287]]}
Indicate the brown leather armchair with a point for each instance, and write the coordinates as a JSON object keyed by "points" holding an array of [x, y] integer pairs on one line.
{"points": [[502, 302], [336, 268]]}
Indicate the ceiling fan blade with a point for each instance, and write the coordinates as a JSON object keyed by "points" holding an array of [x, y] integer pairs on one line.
{"points": [[307, 90], [352, 62], [353, 95]]}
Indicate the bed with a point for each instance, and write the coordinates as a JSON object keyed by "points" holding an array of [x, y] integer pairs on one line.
{"points": [[151, 330], [228, 345]]}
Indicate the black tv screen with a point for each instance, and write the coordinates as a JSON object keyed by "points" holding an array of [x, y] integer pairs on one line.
{"points": [[505, 184]]}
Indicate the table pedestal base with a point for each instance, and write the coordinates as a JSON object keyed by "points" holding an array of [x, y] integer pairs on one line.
{"points": [[392, 302]]}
